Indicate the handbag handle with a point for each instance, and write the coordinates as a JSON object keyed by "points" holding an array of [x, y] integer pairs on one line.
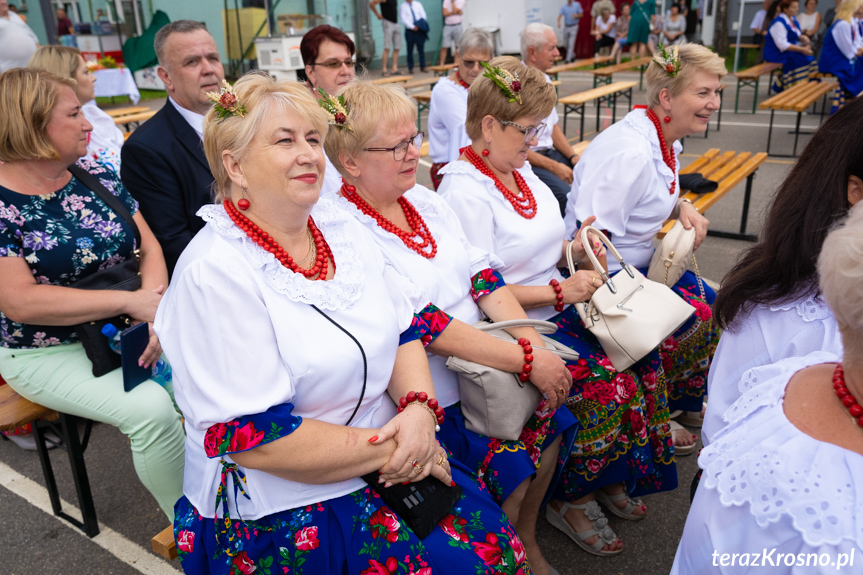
{"points": [[585, 242], [539, 325]]}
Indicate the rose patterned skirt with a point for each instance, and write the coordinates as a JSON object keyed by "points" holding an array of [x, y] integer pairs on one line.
{"points": [[500, 466], [354, 534], [622, 432], [686, 355]]}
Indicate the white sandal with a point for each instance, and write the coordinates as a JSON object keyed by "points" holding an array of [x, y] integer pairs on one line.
{"points": [[600, 527], [625, 513], [681, 450]]}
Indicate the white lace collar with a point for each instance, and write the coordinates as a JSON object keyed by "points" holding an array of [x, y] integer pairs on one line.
{"points": [[763, 461], [463, 167], [638, 120], [810, 308], [341, 291], [419, 196]]}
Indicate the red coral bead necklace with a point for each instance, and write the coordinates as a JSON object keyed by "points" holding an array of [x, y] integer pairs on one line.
{"points": [[415, 222], [322, 250], [462, 82], [523, 203], [667, 151], [855, 410]]}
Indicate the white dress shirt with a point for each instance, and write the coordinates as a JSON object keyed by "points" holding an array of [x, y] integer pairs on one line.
{"points": [[447, 116], [242, 337], [780, 34], [17, 42], [410, 11], [846, 43], [195, 119], [445, 279], [623, 181], [545, 142], [528, 248]]}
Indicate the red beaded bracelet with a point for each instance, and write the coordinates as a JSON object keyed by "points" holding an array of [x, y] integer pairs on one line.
{"points": [[423, 399], [528, 359], [558, 293]]}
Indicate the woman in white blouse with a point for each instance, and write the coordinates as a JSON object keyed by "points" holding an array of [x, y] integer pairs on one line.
{"points": [[106, 139], [282, 322], [422, 238], [631, 185], [622, 447], [448, 106], [843, 47], [769, 303], [810, 20], [786, 44], [782, 486]]}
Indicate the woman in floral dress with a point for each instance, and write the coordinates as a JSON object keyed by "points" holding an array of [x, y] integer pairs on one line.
{"points": [[54, 231], [283, 322]]}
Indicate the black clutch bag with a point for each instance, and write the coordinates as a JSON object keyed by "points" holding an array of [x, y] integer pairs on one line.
{"points": [[420, 505], [697, 183], [123, 276]]}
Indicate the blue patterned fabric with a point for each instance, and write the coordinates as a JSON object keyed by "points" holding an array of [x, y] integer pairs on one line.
{"points": [[250, 431]]}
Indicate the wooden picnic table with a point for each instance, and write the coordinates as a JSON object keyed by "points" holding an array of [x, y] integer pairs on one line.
{"points": [[728, 169], [392, 79], [441, 70], [797, 98], [129, 119], [608, 93], [750, 78], [115, 112], [604, 75], [423, 99], [576, 64]]}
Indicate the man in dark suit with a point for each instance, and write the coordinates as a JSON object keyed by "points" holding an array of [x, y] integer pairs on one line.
{"points": [[164, 166]]}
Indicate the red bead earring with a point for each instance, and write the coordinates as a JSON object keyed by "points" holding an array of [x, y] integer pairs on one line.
{"points": [[666, 119], [485, 153], [243, 203]]}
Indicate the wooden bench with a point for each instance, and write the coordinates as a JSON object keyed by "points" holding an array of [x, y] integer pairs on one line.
{"points": [[163, 543], [392, 80], [423, 100], [797, 98], [743, 49], [603, 75], [750, 78], [421, 83], [15, 411], [608, 93], [441, 70], [128, 119], [727, 169], [126, 111], [576, 64]]}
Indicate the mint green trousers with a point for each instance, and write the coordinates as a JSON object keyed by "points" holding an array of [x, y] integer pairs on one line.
{"points": [[61, 378]]}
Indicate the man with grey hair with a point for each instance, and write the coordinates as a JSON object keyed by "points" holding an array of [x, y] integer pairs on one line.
{"points": [[163, 162], [552, 159]]}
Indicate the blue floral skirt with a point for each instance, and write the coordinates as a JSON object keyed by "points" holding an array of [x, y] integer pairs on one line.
{"points": [[796, 68], [687, 354], [622, 434], [355, 534], [500, 466]]}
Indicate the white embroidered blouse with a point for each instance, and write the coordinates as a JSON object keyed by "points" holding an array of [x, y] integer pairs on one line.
{"points": [[242, 338], [529, 249], [444, 279], [769, 490], [766, 335], [623, 181]]}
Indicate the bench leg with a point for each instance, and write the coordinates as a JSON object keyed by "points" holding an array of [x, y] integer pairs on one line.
{"points": [[69, 427], [719, 118], [598, 112], [770, 131], [614, 108], [47, 470], [755, 97], [743, 218], [796, 134], [583, 111]]}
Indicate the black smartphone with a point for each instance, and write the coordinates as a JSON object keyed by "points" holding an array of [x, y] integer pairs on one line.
{"points": [[133, 342]]}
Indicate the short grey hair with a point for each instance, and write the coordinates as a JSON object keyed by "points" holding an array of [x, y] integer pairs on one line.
{"points": [[840, 269], [532, 36], [179, 27], [476, 39]]}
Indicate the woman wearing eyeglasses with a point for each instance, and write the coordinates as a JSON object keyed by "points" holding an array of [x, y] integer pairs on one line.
{"points": [[506, 210], [328, 54], [377, 152], [448, 106]]}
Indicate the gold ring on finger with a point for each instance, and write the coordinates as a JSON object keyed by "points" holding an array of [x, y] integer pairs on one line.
{"points": [[418, 469], [441, 460]]}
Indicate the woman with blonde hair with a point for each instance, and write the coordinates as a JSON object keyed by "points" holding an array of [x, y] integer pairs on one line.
{"points": [[106, 139], [378, 153], [291, 341], [618, 436]]}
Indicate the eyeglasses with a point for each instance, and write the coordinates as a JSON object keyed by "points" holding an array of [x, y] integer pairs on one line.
{"points": [[335, 64], [400, 150], [529, 132], [471, 63]]}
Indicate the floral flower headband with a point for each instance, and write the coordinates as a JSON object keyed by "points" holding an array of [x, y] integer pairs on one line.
{"points": [[335, 109], [668, 60], [506, 81], [225, 102]]}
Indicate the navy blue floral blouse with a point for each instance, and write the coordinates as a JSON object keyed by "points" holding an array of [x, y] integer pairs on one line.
{"points": [[63, 236]]}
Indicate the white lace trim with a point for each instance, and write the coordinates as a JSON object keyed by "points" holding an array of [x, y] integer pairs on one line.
{"points": [[463, 167], [639, 121], [763, 461], [811, 308], [341, 291]]}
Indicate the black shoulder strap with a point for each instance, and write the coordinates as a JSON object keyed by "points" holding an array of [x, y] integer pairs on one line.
{"points": [[110, 199]]}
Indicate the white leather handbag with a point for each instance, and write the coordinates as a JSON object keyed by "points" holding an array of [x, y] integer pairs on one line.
{"points": [[672, 257], [629, 314]]}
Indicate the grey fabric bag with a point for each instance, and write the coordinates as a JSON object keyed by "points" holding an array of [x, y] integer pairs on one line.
{"points": [[494, 402]]}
